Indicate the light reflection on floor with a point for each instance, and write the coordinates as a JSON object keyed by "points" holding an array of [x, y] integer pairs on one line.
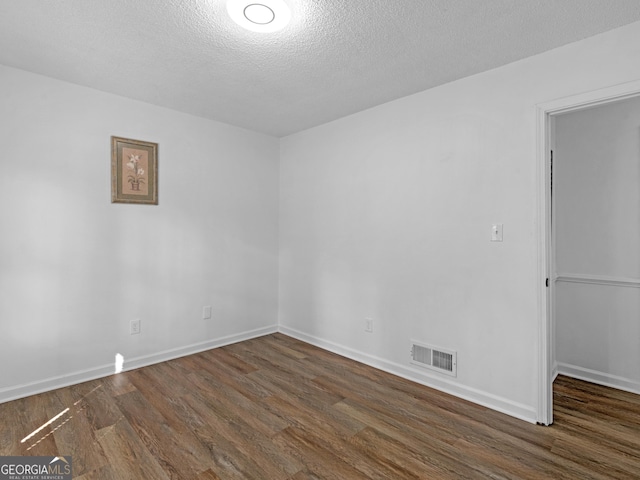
{"points": [[59, 420], [65, 415]]}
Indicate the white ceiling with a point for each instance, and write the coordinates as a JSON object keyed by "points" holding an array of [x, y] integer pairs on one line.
{"points": [[335, 58]]}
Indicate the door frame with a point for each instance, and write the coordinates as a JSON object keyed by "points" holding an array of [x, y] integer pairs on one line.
{"points": [[546, 269]]}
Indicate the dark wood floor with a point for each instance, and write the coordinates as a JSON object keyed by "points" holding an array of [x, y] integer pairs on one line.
{"points": [[276, 408]]}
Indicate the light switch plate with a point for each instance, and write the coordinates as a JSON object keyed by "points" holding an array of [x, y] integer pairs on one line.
{"points": [[496, 232]]}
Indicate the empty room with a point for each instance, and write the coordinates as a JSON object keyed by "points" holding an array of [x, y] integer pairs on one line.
{"points": [[319, 239]]}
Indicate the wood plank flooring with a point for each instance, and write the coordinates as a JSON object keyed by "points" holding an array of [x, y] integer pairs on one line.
{"points": [[274, 408]]}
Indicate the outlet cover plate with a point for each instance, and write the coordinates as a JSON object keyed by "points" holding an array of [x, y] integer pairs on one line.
{"points": [[134, 326], [368, 325]]}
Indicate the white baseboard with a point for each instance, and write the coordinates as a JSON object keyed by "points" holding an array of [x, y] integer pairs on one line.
{"points": [[599, 378], [446, 385], [554, 372], [20, 391], [523, 412]]}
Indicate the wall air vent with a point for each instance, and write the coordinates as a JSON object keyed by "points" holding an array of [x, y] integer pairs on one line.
{"points": [[434, 358]]}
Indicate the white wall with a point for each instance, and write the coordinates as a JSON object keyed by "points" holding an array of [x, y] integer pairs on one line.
{"points": [[383, 214], [597, 194], [75, 268], [387, 214]]}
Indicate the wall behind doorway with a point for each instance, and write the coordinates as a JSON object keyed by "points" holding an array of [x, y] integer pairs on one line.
{"points": [[596, 176]]}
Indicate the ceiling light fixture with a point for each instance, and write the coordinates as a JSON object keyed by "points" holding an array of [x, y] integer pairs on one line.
{"points": [[259, 15]]}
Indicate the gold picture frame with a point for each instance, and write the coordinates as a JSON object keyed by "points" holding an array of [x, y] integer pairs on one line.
{"points": [[134, 171]]}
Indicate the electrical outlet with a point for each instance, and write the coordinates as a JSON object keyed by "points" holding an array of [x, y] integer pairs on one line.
{"points": [[206, 312], [368, 325], [134, 326]]}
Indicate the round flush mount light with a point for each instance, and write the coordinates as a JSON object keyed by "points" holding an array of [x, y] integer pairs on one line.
{"points": [[259, 15]]}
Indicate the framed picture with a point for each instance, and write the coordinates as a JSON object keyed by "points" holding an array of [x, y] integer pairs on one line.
{"points": [[134, 171]]}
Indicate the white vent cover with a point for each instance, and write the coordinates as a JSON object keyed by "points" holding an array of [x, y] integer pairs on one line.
{"points": [[435, 358]]}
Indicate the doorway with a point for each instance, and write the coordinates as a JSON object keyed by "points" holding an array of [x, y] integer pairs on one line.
{"points": [[548, 114], [595, 230]]}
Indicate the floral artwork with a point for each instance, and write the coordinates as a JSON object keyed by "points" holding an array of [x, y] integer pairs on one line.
{"points": [[134, 168]]}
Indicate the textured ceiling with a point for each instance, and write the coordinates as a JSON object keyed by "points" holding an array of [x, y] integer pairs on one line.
{"points": [[335, 58]]}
